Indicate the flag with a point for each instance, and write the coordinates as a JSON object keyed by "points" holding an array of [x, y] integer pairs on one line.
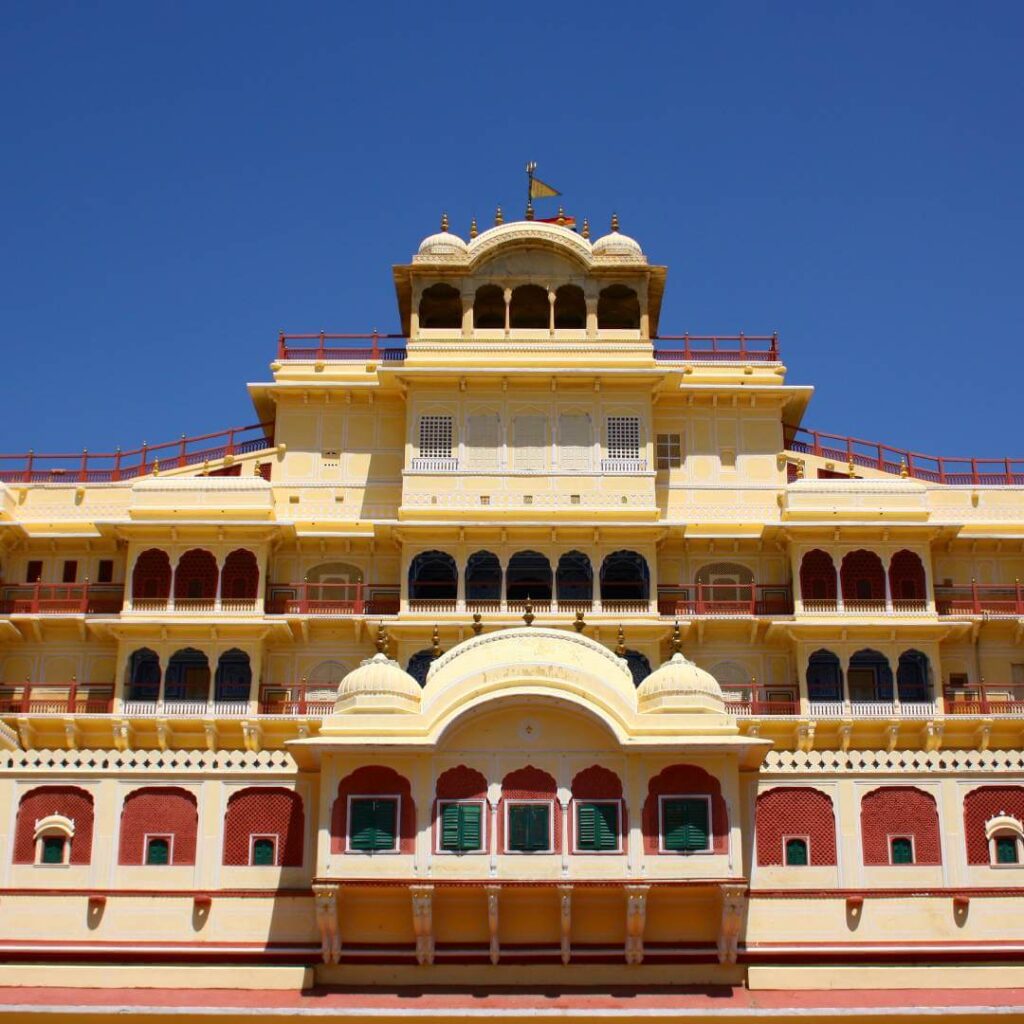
{"points": [[565, 221], [538, 190]]}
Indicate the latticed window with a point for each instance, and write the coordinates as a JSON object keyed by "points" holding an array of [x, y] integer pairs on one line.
{"points": [[461, 827], [669, 451], [435, 437], [685, 824], [623, 437], [902, 850], [373, 823], [796, 852], [529, 827], [597, 826]]}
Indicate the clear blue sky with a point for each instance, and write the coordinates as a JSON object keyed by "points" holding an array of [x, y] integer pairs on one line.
{"points": [[182, 180]]}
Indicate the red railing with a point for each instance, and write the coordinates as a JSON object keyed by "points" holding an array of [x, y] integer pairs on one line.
{"points": [[72, 698], [980, 598], [736, 348], [939, 469], [760, 700], [332, 599], [725, 599], [61, 598], [985, 699], [298, 346], [298, 699], [101, 467]]}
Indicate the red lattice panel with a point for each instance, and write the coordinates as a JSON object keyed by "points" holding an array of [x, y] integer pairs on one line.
{"points": [[861, 566], [531, 783], [795, 811], [374, 780], [158, 810], [264, 811], [463, 783], [981, 805], [241, 575], [196, 567], [817, 576], [899, 811], [685, 780], [151, 576], [39, 803], [906, 577]]}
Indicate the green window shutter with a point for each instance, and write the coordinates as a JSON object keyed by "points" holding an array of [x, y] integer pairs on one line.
{"points": [[539, 836], [53, 849], [1006, 850], [450, 827], [263, 852], [529, 827], [586, 827], [158, 851], [470, 830], [902, 851], [517, 826], [796, 852], [372, 824], [685, 826], [597, 826]]}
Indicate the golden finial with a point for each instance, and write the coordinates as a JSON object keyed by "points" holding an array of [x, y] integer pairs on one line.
{"points": [[156, 467], [435, 650], [620, 647], [477, 624], [800, 469], [528, 615], [561, 217], [529, 211], [382, 639], [499, 217], [586, 228], [615, 222], [578, 624], [472, 228], [444, 221], [677, 639], [904, 471], [850, 468]]}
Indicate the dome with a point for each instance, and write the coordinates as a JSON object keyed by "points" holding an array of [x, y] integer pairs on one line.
{"points": [[378, 685], [616, 247], [444, 246], [680, 686]]}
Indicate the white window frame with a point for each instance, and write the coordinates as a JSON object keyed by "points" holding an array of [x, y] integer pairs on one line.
{"points": [[397, 797], [913, 848], [795, 835], [53, 826], [706, 797], [169, 836], [551, 826], [999, 826], [482, 848], [635, 419], [274, 837], [618, 801], [678, 435]]}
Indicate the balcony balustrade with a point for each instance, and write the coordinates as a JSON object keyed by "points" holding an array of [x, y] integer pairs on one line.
{"points": [[864, 606], [985, 699], [739, 348], [991, 599], [297, 699], [623, 465], [61, 599], [71, 698], [196, 606], [322, 347], [725, 600], [332, 599]]}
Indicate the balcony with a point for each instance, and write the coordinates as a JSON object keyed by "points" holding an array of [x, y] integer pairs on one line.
{"points": [[322, 347], [985, 699], [739, 348], [623, 465], [196, 606], [427, 464], [71, 698], [332, 599], [864, 606], [297, 699], [982, 599], [61, 599], [725, 600]]}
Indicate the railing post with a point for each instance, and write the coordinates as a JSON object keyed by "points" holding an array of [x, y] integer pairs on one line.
{"points": [[942, 470], [974, 471], [302, 698], [686, 345], [1009, 475], [320, 349], [28, 466], [116, 474], [72, 695], [1018, 609], [280, 346], [181, 457], [84, 468], [743, 344], [375, 347], [36, 597], [753, 598], [231, 441], [700, 599], [975, 602], [358, 607], [142, 456], [26, 697], [84, 605], [775, 346], [304, 600]]}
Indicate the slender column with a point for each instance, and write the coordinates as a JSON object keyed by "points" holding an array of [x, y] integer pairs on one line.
{"points": [[220, 582], [888, 586], [508, 311]]}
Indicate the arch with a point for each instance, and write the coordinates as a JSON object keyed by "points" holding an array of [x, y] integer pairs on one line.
{"points": [[529, 307], [574, 579], [818, 585], [188, 676], [419, 665], [618, 308], [598, 783], [530, 784], [735, 680], [143, 681], [983, 806], [440, 306], [798, 812], [69, 802], [151, 577], [233, 679], [240, 579], [724, 586], [824, 677], [907, 579], [195, 578], [625, 577], [374, 780], [335, 572], [913, 678], [489, 308], [528, 576], [433, 576], [322, 682], [691, 780], [461, 783], [639, 666], [862, 578], [899, 811], [271, 811], [483, 577], [570, 308], [159, 810], [869, 677]]}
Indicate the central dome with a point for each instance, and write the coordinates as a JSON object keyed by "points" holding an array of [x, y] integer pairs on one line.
{"points": [[680, 686], [378, 685]]}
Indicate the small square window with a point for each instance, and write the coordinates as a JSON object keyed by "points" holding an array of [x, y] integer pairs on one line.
{"points": [[597, 826], [669, 451], [796, 851], [1007, 850], [34, 572], [373, 824], [158, 850], [264, 851], [901, 849], [53, 850], [105, 571], [529, 828]]}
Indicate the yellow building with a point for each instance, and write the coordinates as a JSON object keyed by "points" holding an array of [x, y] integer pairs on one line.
{"points": [[531, 647]]}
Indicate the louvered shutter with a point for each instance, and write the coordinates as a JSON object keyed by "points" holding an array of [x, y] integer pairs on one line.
{"points": [[575, 442], [537, 838], [263, 851], [385, 823], [373, 824], [482, 441], [586, 827], [685, 824], [529, 439], [450, 827], [606, 820], [518, 826], [469, 826]]}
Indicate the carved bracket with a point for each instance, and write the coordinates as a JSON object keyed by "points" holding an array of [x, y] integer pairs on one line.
{"points": [[734, 905], [423, 922], [326, 900], [492, 921], [636, 921], [565, 909]]}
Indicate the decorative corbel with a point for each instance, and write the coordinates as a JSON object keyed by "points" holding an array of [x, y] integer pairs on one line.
{"points": [[72, 733], [210, 729], [26, 733], [423, 922], [252, 734], [845, 736], [982, 736], [636, 921], [734, 904], [163, 733], [892, 736], [122, 734], [492, 920], [805, 736], [565, 908], [931, 736], [326, 902]]}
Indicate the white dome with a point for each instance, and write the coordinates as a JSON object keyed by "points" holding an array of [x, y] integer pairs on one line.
{"points": [[616, 247], [680, 686], [378, 685], [442, 246]]}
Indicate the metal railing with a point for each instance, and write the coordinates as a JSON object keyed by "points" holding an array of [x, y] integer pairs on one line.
{"points": [[980, 599], [736, 348], [61, 598], [745, 701], [73, 698], [293, 699], [324, 347], [332, 598], [725, 599], [985, 699], [196, 605]]}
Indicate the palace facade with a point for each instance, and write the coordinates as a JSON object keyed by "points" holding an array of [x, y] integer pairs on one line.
{"points": [[529, 647]]}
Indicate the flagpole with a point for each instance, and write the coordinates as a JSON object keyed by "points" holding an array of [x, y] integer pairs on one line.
{"points": [[530, 168]]}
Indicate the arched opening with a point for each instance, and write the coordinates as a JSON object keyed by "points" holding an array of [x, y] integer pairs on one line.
{"points": [[419, 665], [734, 680], [441, 306], [529, 307], [723, 588], [618, 309], [188, 676], [863, 581], [818, 586], [334, 586], [240, 579], [913, 678], [528, 576], [151, 577], [574, 580], [322, 683], [869, 677], [639, 666], [824, 677], [195, 579], [483, 578], [570, 308], [906, 581], [143, 676], [233, 679], [625, 577], [433, 576], [489, 308]]}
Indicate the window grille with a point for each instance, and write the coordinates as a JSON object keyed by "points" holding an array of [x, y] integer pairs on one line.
{"points": [[670, 451], [623, 437], [435, 437]]}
